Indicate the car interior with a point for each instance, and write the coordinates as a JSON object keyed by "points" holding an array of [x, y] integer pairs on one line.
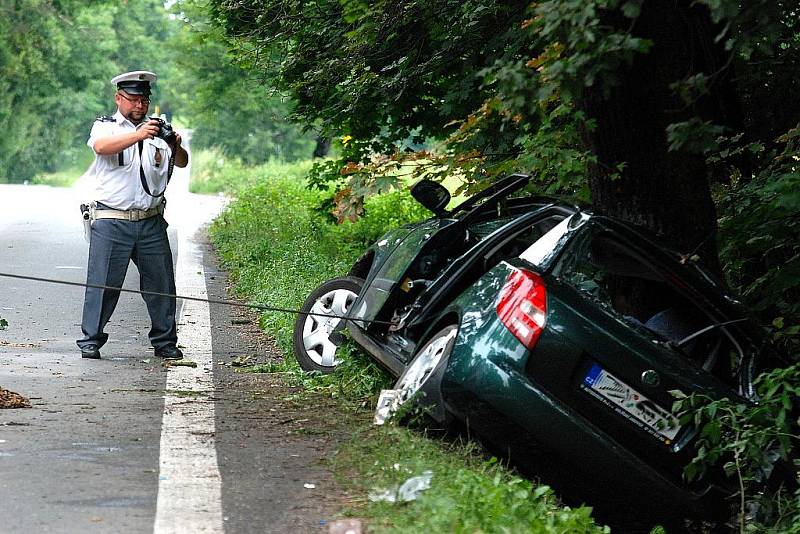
{"points": [[623, 283], [460, 272]]}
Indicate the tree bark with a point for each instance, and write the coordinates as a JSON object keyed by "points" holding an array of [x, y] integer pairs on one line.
{"points": [[322, 147], [667, 192]]}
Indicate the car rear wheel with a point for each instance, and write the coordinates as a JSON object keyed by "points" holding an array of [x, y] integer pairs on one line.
{"points": [[314, 346], [421, 380]]}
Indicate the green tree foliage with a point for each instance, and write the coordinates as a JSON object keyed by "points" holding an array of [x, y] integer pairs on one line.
{"points": [[391, 75], [32, 47], [57, 57], [381, 71], [622, 102], [55, 62], [227, 106]]}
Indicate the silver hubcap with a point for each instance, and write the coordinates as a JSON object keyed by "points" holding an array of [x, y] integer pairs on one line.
{"points": [[317, 328], [424, 364]]}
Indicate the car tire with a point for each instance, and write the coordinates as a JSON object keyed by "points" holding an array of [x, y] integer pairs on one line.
{"points": [[313, 347], [420, 383]]}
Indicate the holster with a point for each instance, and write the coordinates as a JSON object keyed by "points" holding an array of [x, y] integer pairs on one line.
{"points": [[87, 222]]}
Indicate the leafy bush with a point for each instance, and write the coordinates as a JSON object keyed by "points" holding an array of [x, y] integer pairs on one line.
{"points": [[382, 213], [750, 440], [214, 172], [760, 251], [760, 236]]}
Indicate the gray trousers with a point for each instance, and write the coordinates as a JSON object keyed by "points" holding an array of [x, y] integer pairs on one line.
{"points": [[113, 245]]}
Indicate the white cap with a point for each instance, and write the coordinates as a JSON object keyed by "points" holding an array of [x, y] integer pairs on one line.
{"points": [[136, 82]]}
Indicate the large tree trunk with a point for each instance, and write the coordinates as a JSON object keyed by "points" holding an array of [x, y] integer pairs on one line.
{"points": [[668, 192], [322, 147]]}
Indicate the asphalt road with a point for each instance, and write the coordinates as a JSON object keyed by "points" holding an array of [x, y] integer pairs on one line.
{"points": [[122, 444]]}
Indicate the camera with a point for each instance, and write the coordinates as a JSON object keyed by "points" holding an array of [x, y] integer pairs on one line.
{"points": [[165, 130]]}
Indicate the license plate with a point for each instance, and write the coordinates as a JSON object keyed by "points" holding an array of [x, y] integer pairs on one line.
{"points": [[630, 404]]}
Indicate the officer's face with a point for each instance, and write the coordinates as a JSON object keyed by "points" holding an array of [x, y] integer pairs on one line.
{"points": [[133, 107]]}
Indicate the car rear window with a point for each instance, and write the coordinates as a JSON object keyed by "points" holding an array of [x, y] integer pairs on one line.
{"points": [[627, 285]]}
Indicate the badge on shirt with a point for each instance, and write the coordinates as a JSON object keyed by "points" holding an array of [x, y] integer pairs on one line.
{"points": [[158, 157]]}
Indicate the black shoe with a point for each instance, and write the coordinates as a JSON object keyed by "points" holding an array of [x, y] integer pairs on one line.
{"points": [[90, 351], [170, 352]]}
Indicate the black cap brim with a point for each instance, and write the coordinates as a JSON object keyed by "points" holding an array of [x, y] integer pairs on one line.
{"points": [[135, 87]]}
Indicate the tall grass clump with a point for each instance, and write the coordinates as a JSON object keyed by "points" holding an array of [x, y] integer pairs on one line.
{"points": [[214, 172]]}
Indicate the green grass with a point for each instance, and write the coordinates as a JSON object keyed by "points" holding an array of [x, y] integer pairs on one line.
{"points": [[214, 172], [278, 247], [467, 494]]}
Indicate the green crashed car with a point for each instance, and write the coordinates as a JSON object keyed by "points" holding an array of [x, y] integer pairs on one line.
{"points": [[554, 334]]}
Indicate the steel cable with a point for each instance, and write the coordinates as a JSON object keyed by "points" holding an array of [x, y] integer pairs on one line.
{"points": [[264, 307]]}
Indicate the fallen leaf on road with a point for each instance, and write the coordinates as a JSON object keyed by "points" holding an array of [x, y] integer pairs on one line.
{"points": [[19, 345], [179, 363], [240, 361], [9, 399]]}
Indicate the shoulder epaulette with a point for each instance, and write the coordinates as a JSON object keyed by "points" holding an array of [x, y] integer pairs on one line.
{"points": [[105, 118]]}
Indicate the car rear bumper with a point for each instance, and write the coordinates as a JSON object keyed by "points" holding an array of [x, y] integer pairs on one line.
{"points": [[569, 451]]}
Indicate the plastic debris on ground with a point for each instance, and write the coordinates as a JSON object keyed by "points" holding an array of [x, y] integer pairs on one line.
{"points": [[406, 492], [345, 526], [388, 401]]}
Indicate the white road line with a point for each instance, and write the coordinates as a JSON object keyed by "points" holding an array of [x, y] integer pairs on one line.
{"points": [[190, 486]]}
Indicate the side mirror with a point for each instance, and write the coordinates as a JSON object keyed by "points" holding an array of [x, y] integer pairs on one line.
{"points": [[432, 195]]}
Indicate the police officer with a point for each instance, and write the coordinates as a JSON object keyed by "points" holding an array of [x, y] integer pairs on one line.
{"points": [[132, 165]]}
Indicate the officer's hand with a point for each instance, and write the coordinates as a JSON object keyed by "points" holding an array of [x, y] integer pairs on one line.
{"points": [[177, 142], [149, 130]]}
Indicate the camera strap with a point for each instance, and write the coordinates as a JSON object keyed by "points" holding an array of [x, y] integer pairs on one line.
{"points": [[141, 171]]}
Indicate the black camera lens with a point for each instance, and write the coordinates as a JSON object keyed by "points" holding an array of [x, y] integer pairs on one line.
{"points": [[165, 130]]}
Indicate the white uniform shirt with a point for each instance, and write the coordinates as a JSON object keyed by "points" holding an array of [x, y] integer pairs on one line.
{"points": [[119, 186]]}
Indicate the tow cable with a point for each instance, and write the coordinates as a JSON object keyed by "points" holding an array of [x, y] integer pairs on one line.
{"points": [[263, 307]]}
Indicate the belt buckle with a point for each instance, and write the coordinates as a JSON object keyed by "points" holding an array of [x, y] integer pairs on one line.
{"points": [[135, 215]]}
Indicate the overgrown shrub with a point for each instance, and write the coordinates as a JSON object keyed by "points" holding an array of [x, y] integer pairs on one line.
{"points": [[760, 238], [752, 441], [214, 172]]}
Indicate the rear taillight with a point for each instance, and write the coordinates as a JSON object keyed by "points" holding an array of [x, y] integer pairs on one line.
{"points": [[522, 306]]}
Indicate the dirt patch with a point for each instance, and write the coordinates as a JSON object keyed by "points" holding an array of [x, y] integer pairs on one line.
{"points": [[273, 440]]}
